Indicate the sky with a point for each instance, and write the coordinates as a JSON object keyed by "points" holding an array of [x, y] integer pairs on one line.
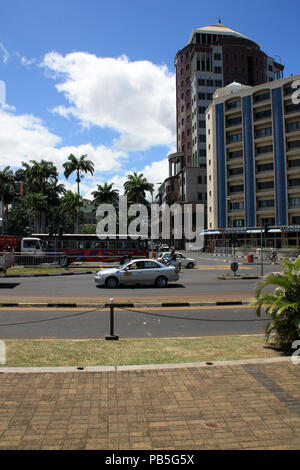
{"points": [[97, 78]]}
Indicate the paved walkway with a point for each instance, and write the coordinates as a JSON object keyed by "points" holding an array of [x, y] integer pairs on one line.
{"points": [[233, 405]]}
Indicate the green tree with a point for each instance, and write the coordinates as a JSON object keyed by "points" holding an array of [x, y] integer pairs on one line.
{"points": [[79, 166], [105, 194], [283, 305], [7, 193], [136, 188], [70, 205], [40, 178]]}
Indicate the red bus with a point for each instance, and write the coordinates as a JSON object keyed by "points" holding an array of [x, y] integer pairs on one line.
{"points": [[89, 247]]}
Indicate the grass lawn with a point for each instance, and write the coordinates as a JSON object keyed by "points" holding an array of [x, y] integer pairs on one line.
{"points": [[50, 353]]}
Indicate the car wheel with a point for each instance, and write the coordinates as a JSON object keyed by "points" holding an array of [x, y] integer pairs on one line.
{"points": [[190, 265], [111, 282], [161, 281]]}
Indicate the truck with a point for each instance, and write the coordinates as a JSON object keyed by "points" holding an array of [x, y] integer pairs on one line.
{"points": [[21, 245], [18, 250]]}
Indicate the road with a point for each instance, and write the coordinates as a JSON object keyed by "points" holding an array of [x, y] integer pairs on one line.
{"points": [[195, 284], [20, 323]]}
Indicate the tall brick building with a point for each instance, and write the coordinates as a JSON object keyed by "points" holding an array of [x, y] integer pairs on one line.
{"points": [[214, 57]]}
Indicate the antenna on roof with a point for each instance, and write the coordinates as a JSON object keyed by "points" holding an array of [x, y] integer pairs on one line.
{"points": [[220, 22]]}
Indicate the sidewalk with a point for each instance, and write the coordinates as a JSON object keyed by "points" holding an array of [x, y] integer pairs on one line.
{"points": [[231, 405]]}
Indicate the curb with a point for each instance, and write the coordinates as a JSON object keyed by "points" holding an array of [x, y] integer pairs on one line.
{"points": [[45, 275], [62, 369], [124, 304]]}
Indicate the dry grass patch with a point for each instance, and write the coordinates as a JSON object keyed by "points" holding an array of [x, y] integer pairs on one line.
{"points": [[50, 353]]}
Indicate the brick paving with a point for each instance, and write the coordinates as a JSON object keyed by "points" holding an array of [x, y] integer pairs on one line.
{"points": [[230, 406]]}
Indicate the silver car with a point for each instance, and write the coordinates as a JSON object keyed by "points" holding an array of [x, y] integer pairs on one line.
{"points": [[140, 271], [180, 258]]}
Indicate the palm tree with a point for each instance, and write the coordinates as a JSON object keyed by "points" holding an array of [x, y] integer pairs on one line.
{"points": [[105, 195], [7, 182], [78, 165], [35, 204], [136, 187], [70, 205], [40, 177], [282, 305]]}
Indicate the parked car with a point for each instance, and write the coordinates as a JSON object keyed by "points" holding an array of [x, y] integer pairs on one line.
{"points": [[180, 258], [140, 271], [164, 247]]}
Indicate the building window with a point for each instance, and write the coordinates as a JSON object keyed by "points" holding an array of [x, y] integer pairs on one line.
{"points": [[237, 188], [238, 222], [236, 206], [265, 167], [234, 138], [236, 171], [294, 202], [293, 126], [264, 149], [265, 185], [202, 124], [201, 96], [218, 70], [292, 108], [233, 104], [235, 154], [294, 182], [294, 163], [262, 114], [200, 82], [234, 121], [266, 131], [217, 56], [293, 145], [218, 83], [262, 97], [266, 203], [210, 83]]}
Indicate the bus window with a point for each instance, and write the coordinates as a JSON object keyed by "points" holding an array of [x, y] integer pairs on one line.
{"points": [[119, 244]]}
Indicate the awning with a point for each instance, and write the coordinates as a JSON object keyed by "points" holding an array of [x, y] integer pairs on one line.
{"points": [[211, 232]]}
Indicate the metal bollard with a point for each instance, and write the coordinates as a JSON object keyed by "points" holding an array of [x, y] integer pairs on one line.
{"points": [[112, 336]]}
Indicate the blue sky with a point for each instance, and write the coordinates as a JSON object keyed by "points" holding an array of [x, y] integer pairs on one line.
{"points": [[97, 77]]}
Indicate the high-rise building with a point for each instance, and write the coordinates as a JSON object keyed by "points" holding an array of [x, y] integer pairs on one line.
{"points": [[253, 159], [214, 57]]}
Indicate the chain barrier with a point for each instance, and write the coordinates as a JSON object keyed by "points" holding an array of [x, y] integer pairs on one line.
{"points": [[55, 318], [112, 307], [188, 318]]}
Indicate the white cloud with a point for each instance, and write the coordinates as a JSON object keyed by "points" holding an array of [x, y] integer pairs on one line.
{"points": [[4, 54], [136, 99], [25, 137]]}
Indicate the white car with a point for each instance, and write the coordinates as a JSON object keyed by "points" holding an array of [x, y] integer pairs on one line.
{"points": [[140, 271], [185, 262]]}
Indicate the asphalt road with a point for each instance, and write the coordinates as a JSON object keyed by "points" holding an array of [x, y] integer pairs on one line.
{"points": [[18, 323], [195, 284]]}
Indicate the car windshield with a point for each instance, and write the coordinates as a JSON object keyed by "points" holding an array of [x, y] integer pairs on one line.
{"points": [[124, 265]]}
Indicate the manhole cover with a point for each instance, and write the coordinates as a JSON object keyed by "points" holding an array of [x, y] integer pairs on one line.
{"points": [[210, 424]]}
